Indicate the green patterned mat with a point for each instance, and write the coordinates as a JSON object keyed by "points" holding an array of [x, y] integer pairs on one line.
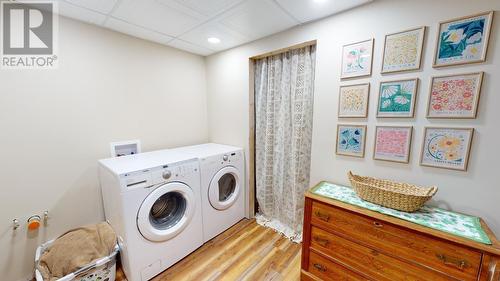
{"points": [[457, 224]]}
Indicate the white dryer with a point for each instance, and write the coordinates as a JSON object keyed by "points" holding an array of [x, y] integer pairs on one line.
{"points": [[153, 202], [223, 189]]}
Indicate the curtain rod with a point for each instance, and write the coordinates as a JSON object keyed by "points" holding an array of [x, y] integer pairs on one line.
{"points": [[279, 51]]}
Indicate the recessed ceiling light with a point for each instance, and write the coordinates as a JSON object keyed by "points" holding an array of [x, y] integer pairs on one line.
{"points": [[213, 40]]}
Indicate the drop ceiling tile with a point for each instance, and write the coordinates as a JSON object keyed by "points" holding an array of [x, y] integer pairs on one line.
{"points": [[101, 6], [136, 31], [257, 18], [229, 38], [308, 10], [81, 14], [186, 46], [156, 16], [234, 22], [207, 8]]}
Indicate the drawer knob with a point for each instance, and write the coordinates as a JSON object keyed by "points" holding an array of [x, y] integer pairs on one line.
{"points": [[322, 241], [377, 224], [321, 216], [320, 267], [461, 264]]}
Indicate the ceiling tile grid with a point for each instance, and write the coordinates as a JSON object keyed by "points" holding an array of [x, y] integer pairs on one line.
{"points": [[157, 16], [309, 10], [101, 6], [208, 8], [187, 24], [80, 13], [186, 46], [134, 30], [228, 37], [257, 19]]}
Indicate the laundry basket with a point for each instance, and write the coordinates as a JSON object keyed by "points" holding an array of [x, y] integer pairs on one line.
{"points": [[103, 269]]}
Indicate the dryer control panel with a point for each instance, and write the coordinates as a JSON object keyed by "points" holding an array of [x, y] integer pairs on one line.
{"points": [[231, 157]]}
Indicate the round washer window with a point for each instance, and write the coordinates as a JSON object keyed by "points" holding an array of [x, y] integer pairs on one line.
{"points": [[227, 185], [167, 210]]}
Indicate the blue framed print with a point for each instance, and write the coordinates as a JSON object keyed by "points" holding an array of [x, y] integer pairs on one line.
{"points": [[351, 140]]}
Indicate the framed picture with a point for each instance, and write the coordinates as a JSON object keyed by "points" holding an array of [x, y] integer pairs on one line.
{"points": [[351, 140], [447, 148], [454, 96], [463, 40], [124, 148], [357, 59], [393, 143], [397, 98], [353, 101], [403, 50]]}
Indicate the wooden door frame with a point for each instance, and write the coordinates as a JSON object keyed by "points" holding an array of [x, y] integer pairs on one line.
{"points": [[251, 136]]}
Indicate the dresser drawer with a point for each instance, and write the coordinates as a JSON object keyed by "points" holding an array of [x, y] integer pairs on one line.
{"points": [[369, 261], [325, 269], [453, 260]]}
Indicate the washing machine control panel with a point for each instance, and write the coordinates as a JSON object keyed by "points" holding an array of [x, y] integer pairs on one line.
{"points": [[149, 177], [166, 174], [174, 171], [138, 179]]}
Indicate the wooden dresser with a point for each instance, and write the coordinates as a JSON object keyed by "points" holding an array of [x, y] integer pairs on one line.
{"points": [[346, 242]]}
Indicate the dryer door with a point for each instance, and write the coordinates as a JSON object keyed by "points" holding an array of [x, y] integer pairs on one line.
{"points": [[166, 211], [225, 188]]}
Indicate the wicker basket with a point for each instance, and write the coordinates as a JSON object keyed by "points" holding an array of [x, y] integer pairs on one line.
{"points": [[400, 196]]}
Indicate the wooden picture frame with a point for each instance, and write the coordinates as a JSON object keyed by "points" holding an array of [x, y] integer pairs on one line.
{"points": [[347, 139], [461, 96], [419, 49], [462, 47], [393, 103], [391, 139], [440, 149], [348, 71], [347, 111]]}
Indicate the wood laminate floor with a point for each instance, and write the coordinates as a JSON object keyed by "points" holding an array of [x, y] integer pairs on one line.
{"points": [[246, 251]]}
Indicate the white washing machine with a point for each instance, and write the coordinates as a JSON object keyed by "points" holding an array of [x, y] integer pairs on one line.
{"points": [[224, 194], [153, 202]]}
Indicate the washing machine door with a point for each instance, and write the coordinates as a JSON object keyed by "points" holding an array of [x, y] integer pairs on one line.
{"points": [[166, 211], [224, 188]]}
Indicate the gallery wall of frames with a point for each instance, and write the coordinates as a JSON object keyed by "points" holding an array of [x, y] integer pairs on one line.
{"points": [[460, 41]]}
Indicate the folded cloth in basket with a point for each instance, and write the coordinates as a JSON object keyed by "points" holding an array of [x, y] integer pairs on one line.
{"points": [[75, 249]]}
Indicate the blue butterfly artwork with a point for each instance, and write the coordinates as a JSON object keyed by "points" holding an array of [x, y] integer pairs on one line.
{"points": [[350, 140]]}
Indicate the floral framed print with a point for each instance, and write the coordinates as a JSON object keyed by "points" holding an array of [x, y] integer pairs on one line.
{"points": [[353, 101], [463, 40], [351, 140], [455, 96], [357, 59], [403, 50], [447, 148], [397, 98], [393, 143]]}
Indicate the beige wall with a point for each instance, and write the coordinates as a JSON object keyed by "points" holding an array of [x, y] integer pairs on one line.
{"points": [[55, 125], [476, 192]]}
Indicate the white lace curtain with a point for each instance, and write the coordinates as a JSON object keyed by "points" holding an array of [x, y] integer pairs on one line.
{"points": [[284, 86]]}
